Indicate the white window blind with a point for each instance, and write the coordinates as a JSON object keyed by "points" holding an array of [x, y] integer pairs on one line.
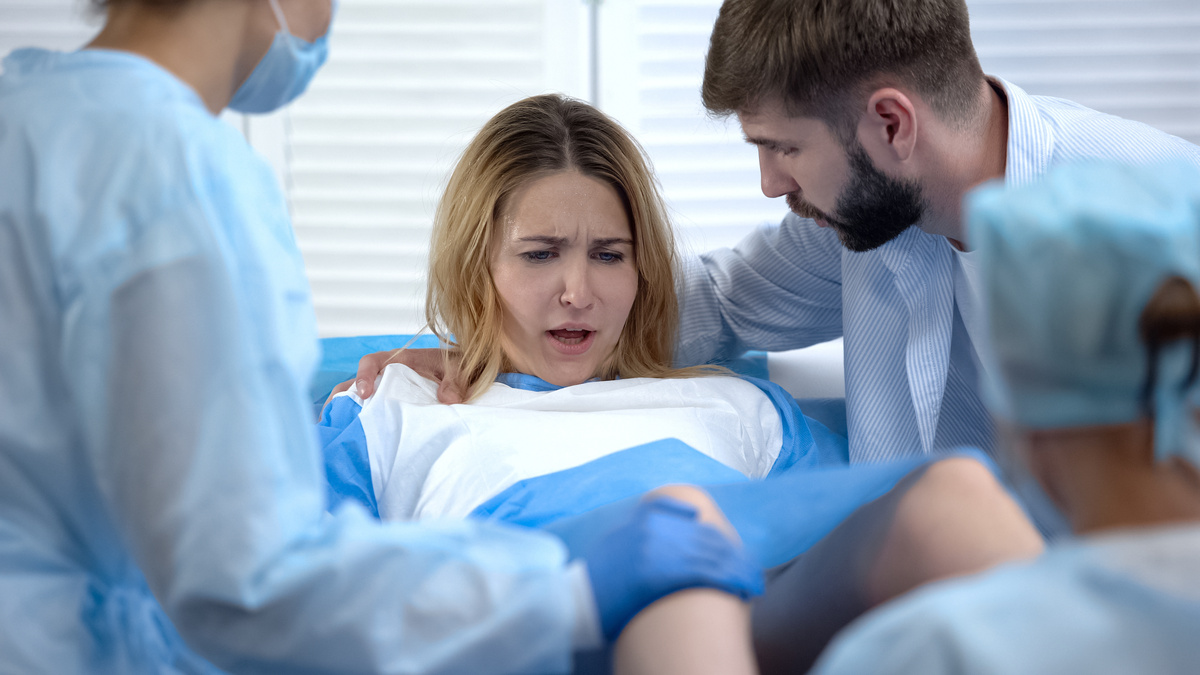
{"points": [[407, 85], [364, 154], [52, 24], [651, 63], [1138, 59]]}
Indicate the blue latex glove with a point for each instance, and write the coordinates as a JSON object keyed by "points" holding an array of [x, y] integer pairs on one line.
{"points": [[660, 550]]}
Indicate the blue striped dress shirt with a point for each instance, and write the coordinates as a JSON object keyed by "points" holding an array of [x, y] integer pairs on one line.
{"points": [[912, 375]]}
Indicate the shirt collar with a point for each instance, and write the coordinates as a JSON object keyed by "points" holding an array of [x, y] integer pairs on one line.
{"points": [[1030, 139]]}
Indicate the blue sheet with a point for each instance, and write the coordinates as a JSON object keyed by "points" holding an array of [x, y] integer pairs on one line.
{"points": [[778, 518], [810, 490], [806, 443]]}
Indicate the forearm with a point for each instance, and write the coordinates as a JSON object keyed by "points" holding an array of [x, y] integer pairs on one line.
{"points": [[779, 289], [357, 597], [205, 457]]}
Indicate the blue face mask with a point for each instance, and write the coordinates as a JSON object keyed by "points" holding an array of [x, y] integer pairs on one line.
{"points": [[284, 72]]}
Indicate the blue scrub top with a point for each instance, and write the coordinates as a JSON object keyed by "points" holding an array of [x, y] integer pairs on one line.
{"points": [[1113, 604], [161, 496]]}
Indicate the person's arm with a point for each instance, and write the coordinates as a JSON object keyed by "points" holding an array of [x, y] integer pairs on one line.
{"points": [[696, 631], [779, 288], [202, 449]]}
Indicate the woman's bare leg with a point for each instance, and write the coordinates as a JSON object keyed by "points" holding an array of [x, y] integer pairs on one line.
{"points": [[951, 518], [695, 631], [956, 520]]}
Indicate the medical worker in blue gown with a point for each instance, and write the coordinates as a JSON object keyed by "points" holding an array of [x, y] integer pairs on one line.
{"points": [[1093, 286], [162, 507]]}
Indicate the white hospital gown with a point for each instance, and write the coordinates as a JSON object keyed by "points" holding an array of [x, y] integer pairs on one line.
{"points": [[431, 460], [1121, 603]]}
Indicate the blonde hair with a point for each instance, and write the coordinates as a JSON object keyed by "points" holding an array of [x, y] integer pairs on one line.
{"points": [[530, 139]]}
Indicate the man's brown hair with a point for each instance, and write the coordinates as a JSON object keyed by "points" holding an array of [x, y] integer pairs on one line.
{"points": [[821, 58]]}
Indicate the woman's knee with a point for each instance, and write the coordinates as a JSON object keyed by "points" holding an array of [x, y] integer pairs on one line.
{"points": [[956, 518], [966, 487], [958, 480]]}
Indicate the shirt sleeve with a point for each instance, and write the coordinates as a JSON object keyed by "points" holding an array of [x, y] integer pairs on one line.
{"points": [[587, 635], [779, 288], [202, 449]]}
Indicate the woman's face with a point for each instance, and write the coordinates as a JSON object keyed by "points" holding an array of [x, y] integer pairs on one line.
{"points": [[565, 272]]}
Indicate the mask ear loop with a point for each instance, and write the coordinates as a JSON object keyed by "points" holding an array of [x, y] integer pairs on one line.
{"points": [[1150, 396], [1151, 378], [1168, 329], [1195, 366], [408, 344], [279, 16]]}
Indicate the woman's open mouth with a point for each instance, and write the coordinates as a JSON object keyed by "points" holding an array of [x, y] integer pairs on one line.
{"points": [[570, 341]]}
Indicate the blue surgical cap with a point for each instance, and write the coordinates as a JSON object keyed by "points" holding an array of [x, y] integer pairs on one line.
{"points": [[1068, 264]]}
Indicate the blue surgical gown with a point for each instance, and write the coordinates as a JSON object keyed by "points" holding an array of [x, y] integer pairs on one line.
{"points": [[1121, 603], [162, 504]]}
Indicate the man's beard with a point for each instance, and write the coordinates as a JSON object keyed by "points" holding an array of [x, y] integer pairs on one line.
{"points": [[872, 210]]}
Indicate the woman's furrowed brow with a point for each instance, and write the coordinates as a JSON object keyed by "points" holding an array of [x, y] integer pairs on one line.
{"points": [[548, 240], [612, 241], [543, 239]]}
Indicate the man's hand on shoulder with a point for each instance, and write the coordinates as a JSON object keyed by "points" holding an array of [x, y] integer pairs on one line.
{"points": [[439, 365]]}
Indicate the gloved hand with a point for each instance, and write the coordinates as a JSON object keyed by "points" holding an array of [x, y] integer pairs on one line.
{"points": [[660, 550]]}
